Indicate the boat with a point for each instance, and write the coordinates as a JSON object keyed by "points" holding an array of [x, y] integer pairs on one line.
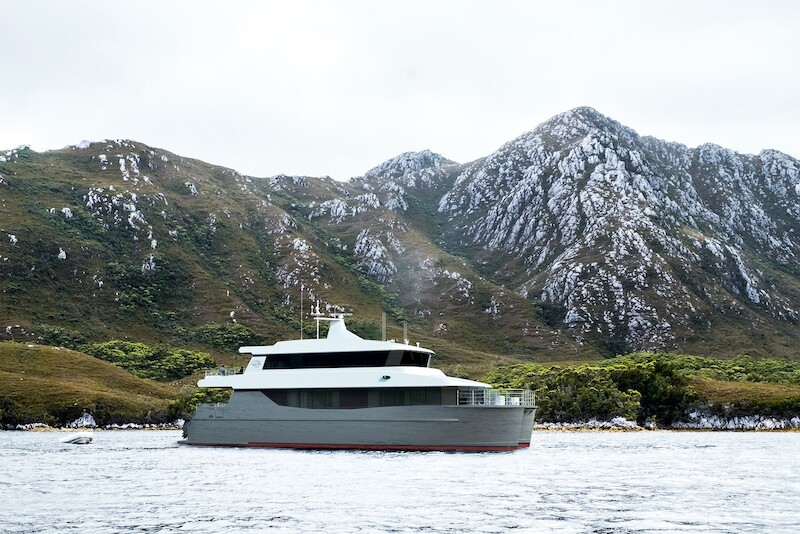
{"points": [[345, 392], [77, 438]]}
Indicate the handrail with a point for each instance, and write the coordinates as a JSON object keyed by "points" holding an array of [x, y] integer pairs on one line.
{"points": [[496, 397], [224, 372]]}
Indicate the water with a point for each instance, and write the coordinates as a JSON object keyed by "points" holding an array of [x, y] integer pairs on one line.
{"points": [[142, 482]]}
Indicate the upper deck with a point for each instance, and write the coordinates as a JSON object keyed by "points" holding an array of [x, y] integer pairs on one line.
{"points": [[340, 360], [341, 348]]}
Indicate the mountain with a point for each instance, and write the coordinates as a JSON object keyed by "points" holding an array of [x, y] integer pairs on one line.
{"points": [[638, 242], [576, 240]]}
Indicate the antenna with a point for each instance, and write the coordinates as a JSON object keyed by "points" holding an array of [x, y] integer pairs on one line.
{"points": [[301, 310], [405, 332], [383, 325]]}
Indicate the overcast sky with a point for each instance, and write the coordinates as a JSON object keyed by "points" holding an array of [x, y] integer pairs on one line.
{"points": [[334, 88]]}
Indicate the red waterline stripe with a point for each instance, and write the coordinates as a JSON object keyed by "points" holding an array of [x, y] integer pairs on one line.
{"points": [[336, 446]]}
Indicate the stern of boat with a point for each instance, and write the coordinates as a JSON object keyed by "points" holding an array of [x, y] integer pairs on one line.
{"points": [[523, 398]]}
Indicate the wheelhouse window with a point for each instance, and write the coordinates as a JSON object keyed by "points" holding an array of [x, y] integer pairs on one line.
{"points": [[416, 359], [347, 359]]}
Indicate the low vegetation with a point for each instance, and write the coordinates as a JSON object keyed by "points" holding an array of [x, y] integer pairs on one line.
{"points": [[658, 387], [158, 363], [121, 381], [226, 336]]}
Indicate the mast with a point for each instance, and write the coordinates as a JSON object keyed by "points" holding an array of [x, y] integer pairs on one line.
{"points": [[316, 314]]}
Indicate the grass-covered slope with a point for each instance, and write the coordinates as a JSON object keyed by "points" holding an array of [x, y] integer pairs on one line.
{"points": [[658, 388], [55, 386]]}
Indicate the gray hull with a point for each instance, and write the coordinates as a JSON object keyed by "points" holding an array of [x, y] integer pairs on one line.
{"points": [[251, 419], [526, 429]]}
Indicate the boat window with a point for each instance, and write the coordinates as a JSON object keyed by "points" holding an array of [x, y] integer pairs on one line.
{"points": [[346, 359], [351, 398], [278, 396], [414, 358], [319, 398], [389, 397], [426, 396]]}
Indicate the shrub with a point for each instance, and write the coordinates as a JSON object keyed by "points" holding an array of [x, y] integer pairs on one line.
{"points": [[226, 336], [570, 394], [665, 391], [60, 337], [155, 363]]}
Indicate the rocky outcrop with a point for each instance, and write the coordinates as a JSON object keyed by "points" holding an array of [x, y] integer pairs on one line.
{"points": [[699, 420]]}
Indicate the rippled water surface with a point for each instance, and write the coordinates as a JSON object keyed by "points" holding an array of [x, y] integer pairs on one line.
{"points": [[142, 481]]}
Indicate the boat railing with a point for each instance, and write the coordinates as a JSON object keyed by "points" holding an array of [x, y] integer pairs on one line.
{"points": [[222, 371], [496, 397]]}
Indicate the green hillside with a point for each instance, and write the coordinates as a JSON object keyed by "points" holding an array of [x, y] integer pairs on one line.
{"points": [[55, 386], [123, 241]]}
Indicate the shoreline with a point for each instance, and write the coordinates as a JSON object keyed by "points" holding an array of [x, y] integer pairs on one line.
{"points": [[697, 421], [536, 429], [43, 427], [86, 422], [555, 427], [615, 425]]}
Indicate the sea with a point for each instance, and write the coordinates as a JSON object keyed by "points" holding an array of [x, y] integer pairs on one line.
{"points": [[140, 481]]}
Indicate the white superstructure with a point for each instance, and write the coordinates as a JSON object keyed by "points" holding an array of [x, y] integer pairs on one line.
{"points": [[339, 340]]}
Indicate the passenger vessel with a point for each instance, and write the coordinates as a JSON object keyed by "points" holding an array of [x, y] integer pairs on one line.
{"points": [[345, 392]]}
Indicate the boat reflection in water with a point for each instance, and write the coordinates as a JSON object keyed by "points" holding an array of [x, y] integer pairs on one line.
{"points": [[345, 392]]}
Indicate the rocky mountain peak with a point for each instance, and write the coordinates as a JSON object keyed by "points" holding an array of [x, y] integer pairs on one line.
{"points": [[408, 163], [585, 214], [575, 124]]}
